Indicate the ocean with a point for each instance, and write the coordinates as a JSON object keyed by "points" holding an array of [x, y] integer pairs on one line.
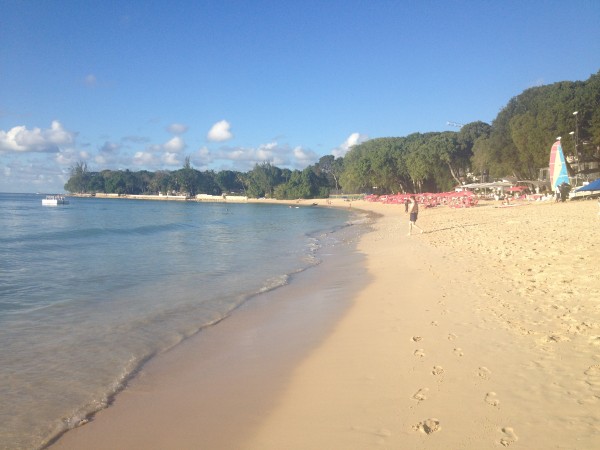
{"points": [[91, 290]]}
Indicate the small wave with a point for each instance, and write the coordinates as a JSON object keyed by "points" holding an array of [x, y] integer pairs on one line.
{"points": [[84, 414], [362, 218], [274, 283]]}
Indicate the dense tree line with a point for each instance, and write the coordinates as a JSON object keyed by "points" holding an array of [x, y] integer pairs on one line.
{"points": [[264, 180], [525, 129], [416, 163], [517, 143]]}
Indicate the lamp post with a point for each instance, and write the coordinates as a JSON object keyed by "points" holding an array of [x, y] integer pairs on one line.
{"points": [[577, 155], [576, 135], [572, 133]]}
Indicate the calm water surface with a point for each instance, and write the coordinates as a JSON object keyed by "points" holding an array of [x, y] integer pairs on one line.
{"points": [[91, 290]]}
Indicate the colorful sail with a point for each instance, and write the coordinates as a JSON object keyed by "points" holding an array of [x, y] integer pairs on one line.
{"points": [[558, 166]]}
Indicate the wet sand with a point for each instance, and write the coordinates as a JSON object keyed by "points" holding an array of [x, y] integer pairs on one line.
{"points": [[214, 389], [483, 332]]}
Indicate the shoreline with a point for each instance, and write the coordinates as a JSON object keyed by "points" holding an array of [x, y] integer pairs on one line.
{"points": [[481, 333], [225, 355], [205, 198]]}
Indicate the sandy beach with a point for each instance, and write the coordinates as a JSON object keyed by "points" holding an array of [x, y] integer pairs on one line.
{"points": [[483, 332]]}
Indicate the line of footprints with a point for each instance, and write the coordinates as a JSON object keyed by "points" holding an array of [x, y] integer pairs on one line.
{"points": [[432, 425]]}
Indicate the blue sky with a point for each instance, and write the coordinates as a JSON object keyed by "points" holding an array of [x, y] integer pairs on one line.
{"points": [[142, 85]]}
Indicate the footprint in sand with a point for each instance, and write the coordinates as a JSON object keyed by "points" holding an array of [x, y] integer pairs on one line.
{"points": [[421, 394], [428, 426], [490, 399], [451, 337], [595, 340], [593, 378], [420, 353], [434, 323], [416, 338], [437, 370], [509, 437], [553, 338], [484, 373], [458, 351]]}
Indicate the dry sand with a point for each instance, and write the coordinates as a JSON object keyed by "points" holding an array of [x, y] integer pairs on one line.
{"points": [[483, 332]]}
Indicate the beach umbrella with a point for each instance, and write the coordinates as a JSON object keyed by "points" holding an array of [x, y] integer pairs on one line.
{"points": [[593, 186]]}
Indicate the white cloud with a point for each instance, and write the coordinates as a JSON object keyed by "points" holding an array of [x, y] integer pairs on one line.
{"points": [[265, 152], [174, 145], [37, 159], [282, 156], [20, 139], [220, 132], [177, 128], [238, 154], [172, 159], [41, 157], [144, 158], [202, 157], [63, 159], [59, 135], [305, 157], [153, 157], [351, 141], [70, 156]]}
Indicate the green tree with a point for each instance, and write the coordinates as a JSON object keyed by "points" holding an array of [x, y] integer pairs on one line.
{"points": [[114, 181], [481, 160], [160, 182], [358, 175], [96, 183], [207, 183], [332, 167], [263, 179], [418, 166], [80, 178], [303, 184], [229, 181]]}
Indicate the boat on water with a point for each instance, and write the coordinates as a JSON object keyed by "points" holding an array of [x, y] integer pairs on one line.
{"points": [[54, 200]]}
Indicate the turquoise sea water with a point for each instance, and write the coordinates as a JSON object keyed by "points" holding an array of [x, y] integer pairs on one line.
{"points": [[91, 290]]}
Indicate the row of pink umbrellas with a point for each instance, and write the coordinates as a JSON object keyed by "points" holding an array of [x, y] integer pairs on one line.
{"points": [[463, 199]]}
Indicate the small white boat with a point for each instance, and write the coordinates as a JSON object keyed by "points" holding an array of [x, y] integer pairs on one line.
{"points": [[54, 200]]}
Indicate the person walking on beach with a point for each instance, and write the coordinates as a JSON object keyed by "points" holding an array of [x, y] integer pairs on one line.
{"points": [[413, 210]]}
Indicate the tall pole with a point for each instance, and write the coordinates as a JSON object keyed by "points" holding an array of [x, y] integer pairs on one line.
{"points": [[576, 144], [576, 133]]}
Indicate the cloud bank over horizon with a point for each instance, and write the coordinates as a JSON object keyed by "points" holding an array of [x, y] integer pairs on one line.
{"points": [[54, 150]]}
